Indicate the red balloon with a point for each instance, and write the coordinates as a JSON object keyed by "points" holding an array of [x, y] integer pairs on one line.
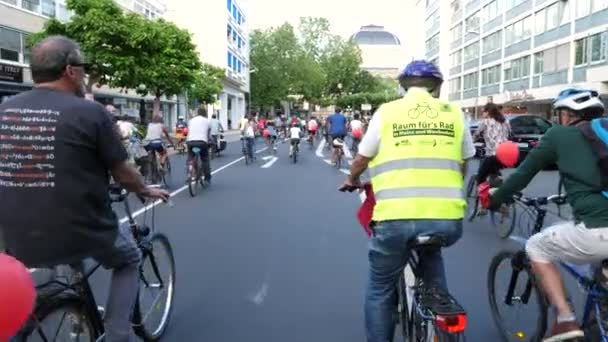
{"points": [[507, 153], [17, 296]]}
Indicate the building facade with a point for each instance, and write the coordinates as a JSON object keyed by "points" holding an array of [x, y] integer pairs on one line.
{"points": [[518, 53], [221, 34], [19, 18]]}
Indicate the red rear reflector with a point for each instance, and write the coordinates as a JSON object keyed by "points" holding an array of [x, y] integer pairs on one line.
{"points": [[451, 324]]}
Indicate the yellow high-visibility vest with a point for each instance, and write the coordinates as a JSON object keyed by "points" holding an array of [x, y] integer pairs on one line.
{"points": [[417, 173]]}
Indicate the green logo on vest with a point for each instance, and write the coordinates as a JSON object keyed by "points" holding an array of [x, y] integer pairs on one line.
{"points": [[422, 109]]}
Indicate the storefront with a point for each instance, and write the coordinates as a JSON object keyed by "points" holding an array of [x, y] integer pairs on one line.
{"points": [[11, 81]]}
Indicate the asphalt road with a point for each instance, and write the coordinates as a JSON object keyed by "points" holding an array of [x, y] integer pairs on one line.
{"points": [[273, 252]]}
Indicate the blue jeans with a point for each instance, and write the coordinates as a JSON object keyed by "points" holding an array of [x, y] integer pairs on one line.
{"points": [[388, 255]]}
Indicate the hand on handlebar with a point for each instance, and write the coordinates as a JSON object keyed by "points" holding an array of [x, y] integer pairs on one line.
{"points": [[156, 193]]}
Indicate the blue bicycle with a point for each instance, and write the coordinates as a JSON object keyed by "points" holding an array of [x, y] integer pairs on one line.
{"points": [[522, 288]]}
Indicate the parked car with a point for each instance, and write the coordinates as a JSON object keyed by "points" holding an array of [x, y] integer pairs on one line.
{"points": [[526, 132]]}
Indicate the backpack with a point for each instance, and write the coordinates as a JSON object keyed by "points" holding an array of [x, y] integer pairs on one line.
{"points": [[596, 133]]}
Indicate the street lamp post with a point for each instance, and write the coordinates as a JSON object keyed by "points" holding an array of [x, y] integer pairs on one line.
{"points": [[249, 92]]}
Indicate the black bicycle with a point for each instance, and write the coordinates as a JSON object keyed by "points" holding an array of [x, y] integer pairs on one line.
{"points": [[502, 220], [66, 309], [294, 151], [195, 172], [427, 314], [523, 292]]}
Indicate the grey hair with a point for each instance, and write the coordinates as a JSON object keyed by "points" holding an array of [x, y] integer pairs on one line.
{"points": [[50, 57]]}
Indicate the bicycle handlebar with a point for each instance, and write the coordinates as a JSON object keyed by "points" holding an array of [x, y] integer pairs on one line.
{"points": [[540, 201], [363, 186]]}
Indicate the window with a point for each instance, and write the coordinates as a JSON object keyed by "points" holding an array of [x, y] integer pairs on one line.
{"points": [[433, 43], [471, 52], [586, 7], [234, 36], [472, 23], [517, 68], [470, 81], [492, 42], [552, 16], [228, 31], [432, 20], [456, 58], [239, 18], [455, 85], [240, 42], [239, 66], [229, 3], [456, 32], [31, 5], [556, 59], [12, 2], [518, 31], [490, 75], [491, 11], [10, 44], [538, 63], [512, 3], [229, 59], [591, 49], [234, 62], [235, 11]]}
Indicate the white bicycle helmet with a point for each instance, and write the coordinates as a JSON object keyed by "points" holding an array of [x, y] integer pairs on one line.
{"points": [[578, 99]]}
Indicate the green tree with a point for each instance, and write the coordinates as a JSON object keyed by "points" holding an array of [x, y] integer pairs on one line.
{"points": [[170, 63], [106, 36], [207, 85], [315, 36], [274, 56], [341, 64]]}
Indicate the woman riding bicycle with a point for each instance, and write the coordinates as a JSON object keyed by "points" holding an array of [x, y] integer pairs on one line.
{"points": [[495, 130], [153, 142]]}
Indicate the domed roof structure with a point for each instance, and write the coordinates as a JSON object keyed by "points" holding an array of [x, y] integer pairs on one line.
{"points": [[375, 35]]}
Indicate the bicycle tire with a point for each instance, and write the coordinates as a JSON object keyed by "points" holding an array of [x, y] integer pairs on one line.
{"points": [[166, 175], [472, 200], [541, 322], [508, 229], [402, 309], [294, 155], [140, 329], [192, 178], [64, 302]]}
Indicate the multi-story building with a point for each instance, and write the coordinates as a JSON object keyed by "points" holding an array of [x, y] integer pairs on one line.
{"points": [[518, 53], [19, 18], [222, 39]]}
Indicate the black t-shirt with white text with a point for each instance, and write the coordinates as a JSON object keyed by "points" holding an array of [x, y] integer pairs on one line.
{"points": [[56, 151]]}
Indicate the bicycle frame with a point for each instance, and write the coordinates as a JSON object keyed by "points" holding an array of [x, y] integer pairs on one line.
{"points": [[83, 289], [594, 291]]}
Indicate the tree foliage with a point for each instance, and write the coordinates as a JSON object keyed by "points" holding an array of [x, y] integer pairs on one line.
{"points": [[208, 84]]}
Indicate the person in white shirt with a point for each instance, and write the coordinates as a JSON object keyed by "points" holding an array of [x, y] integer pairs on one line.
{"points": [[216, 129], [356, 130], [295, 133], [153, 142], [248, 131], [198, 136]]}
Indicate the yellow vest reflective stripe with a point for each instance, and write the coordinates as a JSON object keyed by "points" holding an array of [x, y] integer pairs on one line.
{"points": [[417, 171]]}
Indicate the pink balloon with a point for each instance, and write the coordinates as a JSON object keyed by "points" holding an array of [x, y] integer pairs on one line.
{"points": [[17, 296]]}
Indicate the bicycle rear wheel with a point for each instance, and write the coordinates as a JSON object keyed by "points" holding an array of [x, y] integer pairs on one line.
{"points": [[60, 318], [166, 174], [472, 200], [192, 177], [530, 321], [157, 286]]}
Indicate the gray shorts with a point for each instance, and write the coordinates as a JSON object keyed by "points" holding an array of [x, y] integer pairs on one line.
{"points": [[124, 252], [566, 241]]}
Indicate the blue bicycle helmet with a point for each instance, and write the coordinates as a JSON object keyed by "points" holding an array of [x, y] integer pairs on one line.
{"points": [[421, 69]]}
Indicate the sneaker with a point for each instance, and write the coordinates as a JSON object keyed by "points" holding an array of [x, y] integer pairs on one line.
{"points": [[565, 331]]}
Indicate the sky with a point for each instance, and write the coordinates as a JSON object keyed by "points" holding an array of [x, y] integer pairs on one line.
{"points": [[345, 16]]}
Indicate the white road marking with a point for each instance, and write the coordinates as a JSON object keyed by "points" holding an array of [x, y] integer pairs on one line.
{"points": [[154, 204], [267, 157], [328, 161], [345, 171], [320, 148], [259, 297], [269, 164], [347, 153]]}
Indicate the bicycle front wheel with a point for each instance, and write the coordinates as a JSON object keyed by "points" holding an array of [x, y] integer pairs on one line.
{"points": [[157, 287], [472, 200], [512, 287], [192, 179], [166, 175], [59, 318], [503, 220]]}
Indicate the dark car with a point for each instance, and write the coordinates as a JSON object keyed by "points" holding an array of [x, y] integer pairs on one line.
{"points": [[526, 131]]}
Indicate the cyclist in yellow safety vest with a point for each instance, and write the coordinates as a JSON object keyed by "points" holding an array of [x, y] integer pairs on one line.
{"points": [[415, 150]]}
